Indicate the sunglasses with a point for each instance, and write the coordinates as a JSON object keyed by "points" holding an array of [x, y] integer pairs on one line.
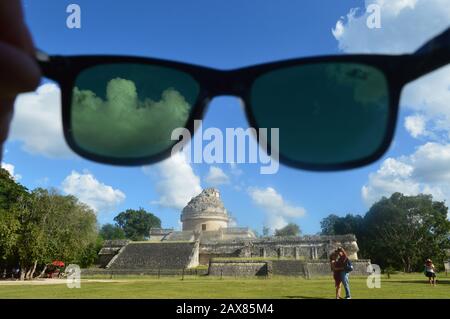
{"points": [[332, 112]]}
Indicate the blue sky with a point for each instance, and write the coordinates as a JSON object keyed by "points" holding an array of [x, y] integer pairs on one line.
{"points": [[229, 34]]}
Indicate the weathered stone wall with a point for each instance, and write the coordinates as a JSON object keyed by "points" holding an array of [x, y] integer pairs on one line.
{"points": [[109, 250], [299, 268], [360, 267], [321, 268], [209, 222], [205, 258], [194, 256], [312, 247], [180, 236], [104, 259], [307, 248], [304, 247], [288, 268], [143, 272], [158, 234], [316, 269], [219, 249], [154, 255], [293, 250], [238, 268]]}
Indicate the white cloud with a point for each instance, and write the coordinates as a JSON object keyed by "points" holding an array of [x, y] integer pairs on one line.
{"points": [[176, 181], [216, 176], [396, 7], [405, 26], [393, 176], [416, 125], [432, 163], [277, 209], [427, 170], [235, 170], [37, 122], [99, 196], [11, 168], [132, 123], [338, 31], [429, 98], [38, 125]]}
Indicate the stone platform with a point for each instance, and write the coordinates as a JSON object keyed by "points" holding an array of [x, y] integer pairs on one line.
{"points": [[301, 268]]}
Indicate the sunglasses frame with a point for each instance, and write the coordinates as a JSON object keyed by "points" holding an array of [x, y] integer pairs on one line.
{"points": [[397, 69]]}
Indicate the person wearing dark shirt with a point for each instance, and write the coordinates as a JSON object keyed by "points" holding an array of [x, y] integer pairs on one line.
{"points": [[336, 273], [340, 265]]}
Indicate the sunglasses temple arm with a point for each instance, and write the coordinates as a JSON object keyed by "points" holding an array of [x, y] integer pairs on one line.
{"points": [[431, 56], [438, 43], [51, 66], [41, 56]]}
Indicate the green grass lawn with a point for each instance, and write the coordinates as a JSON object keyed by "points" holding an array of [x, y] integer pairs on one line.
{"points": [[399, 286]]}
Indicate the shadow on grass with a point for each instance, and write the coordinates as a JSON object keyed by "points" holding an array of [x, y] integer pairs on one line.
{"points": [[425, 281], [303, 297]]}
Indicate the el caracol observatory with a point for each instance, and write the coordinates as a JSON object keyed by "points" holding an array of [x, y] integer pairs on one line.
{"points": [[205, 212], [206, 238]]}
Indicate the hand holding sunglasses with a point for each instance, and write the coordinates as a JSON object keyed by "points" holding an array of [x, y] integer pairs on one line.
{"points": [[333, 112]]}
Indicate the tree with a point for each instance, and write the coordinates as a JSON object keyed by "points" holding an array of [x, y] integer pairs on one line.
{"points": [[265, 231], [349, 224], [137, 223], [403, 231], [53, 226], [10, 191], [8, 235], [290, 229], [90, 254], [110, 231], [398, 232], [328, 224], [39, 227]]}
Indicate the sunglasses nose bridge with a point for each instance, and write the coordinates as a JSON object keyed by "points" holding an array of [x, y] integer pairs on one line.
{"points": [[230, 83]]}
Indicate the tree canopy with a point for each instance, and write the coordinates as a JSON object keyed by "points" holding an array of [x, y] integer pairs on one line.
{"points": [[290, 229], [136, 224], [110, 231], [399, 232], [41, 226], [10, 191]]}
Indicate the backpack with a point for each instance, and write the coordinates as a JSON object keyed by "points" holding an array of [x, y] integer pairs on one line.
{"points": [[348, 266]]}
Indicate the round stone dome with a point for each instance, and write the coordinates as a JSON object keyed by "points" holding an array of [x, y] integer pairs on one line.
{"points": [[205, 212]]}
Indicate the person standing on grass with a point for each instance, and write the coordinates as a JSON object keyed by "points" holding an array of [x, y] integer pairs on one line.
{"points": [[336, 273], [430, 272], [344, 265]]}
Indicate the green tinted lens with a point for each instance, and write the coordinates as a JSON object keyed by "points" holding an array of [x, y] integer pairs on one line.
{"points": [[130, 110], [327, 113]]}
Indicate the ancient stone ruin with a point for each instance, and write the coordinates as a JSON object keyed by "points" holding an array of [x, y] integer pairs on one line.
{"points": [[205, 212], [206, 239]]}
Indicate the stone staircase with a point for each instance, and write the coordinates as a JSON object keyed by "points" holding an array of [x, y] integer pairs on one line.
{"points": [[156, 255]]}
